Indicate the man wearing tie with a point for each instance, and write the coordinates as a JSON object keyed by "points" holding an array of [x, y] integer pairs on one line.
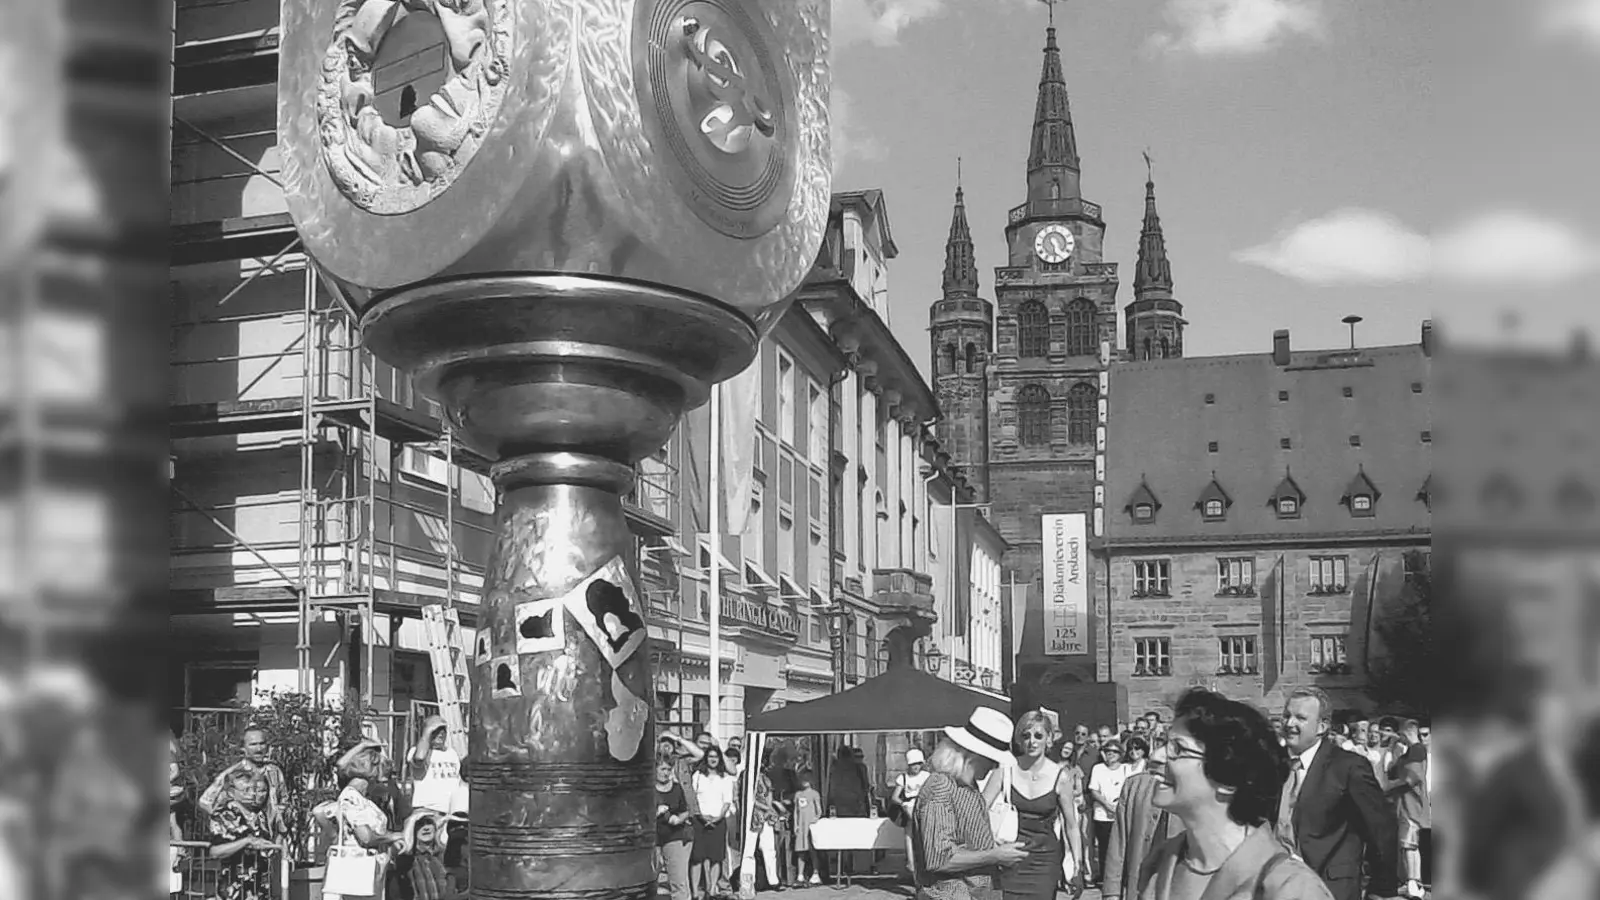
{"points": [[1332, 814], [1138, 827]]}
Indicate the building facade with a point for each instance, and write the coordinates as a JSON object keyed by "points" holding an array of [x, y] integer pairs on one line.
{"points": [[1021, 382], [1260, 509]]}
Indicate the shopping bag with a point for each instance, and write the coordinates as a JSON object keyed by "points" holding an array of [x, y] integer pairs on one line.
{"points": [[351, 872], [1003, 815]]}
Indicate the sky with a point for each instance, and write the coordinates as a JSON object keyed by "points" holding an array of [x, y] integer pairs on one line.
{"points": [[1393, 159]]}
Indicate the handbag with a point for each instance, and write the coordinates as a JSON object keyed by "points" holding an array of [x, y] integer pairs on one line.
{"points": [[1003, 815], [352, 871]]}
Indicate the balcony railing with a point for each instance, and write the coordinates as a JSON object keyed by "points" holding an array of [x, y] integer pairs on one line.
{"points": [[903, 588], [771, 620]]}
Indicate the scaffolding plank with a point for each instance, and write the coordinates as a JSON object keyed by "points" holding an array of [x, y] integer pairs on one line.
{"points": [[405, 603], [234, 417], [224, 65], [246, 237], [237, 598]]}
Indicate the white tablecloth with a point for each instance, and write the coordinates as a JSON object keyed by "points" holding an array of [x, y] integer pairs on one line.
{"points": [[830, 835]]}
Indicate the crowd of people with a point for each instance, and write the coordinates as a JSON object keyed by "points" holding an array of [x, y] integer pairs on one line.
{"points": [[388, 833], [1220, 803]]}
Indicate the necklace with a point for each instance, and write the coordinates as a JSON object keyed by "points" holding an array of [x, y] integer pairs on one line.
{"points": [[1189, 864]]}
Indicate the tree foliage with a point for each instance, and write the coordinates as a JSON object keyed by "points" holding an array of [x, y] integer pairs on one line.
{"points": [[1404, 677]]}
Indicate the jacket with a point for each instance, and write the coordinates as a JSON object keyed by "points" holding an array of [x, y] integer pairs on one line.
{"points": [[1133, 834], [1259, 870], [1342, 818]]}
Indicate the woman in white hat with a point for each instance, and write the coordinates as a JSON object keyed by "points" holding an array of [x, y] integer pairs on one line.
{"points": [[956, 855]]}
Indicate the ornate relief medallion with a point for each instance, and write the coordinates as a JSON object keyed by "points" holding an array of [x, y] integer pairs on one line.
{"points": [[721, 109], [391, 161]]}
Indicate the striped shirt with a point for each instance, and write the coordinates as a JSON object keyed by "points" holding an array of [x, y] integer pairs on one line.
{"points": [[948, 817]]}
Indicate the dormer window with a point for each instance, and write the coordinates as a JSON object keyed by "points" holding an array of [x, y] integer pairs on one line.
{"points": [[1214, 501], [1361, 495], [1287, 498], [1143, 505]]}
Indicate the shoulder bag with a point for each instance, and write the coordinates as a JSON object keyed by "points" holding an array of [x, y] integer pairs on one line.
{"points": [[352, 869], [1003, 815]]}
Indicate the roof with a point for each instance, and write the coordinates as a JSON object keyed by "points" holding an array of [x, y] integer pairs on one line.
{"points": [[1160, 427], [870, 200], [901, 699]]}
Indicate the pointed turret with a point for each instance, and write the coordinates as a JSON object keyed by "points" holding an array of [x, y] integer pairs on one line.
{"points": [[1155, 318], [1153, 277], [960, 265], [1053, 152]]}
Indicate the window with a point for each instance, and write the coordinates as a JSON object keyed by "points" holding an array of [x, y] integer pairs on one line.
{"points": [[701, 704], [817, 400], [786, 399], [1213, 509], [1143, 512], [666, 709], [948, 357], [1285, 444], [1361, 505], [872, 647], [1283, 396], [1152, 656], [785, 546], [1033, 415], [1355, 440], [1080, 328], [1288, 507], [1416, 387], [1166, 348], [1082, 401], [1427, 437], [418, 462], [1147, 351], [1237, 655], [1210, 399], [1236, 575], [1327, 654], [1033, 330], [1349, 391], [1151, 577], [1330, 574], [972, 358], [1211, 447]]}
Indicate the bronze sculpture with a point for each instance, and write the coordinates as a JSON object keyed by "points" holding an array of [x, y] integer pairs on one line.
{"points": [[589, 221]]}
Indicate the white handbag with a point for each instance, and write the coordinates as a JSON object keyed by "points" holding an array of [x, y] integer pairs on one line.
{"points": [[352, 871], [1003, 815]]}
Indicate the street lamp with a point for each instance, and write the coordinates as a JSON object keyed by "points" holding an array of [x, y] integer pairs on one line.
{"points": [[932, 659]]}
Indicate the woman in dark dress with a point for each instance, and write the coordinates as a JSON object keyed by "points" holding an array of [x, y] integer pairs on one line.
{"points": [[1046, 811]]}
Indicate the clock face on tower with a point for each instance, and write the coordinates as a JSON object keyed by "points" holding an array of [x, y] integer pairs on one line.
{"points": [[1053, 243]]}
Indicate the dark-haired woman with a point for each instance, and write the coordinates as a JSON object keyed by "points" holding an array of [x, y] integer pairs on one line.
{"points": [[713, 788], [1225, 768]]}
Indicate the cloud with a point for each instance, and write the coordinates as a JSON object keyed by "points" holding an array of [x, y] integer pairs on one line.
{"points": [[1494, 249], [878, 22], [848, 142], [1236, 27], [1573, 18]]}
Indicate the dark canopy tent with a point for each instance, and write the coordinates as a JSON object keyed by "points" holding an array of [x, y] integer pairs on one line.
{"points": [[901, 699]]}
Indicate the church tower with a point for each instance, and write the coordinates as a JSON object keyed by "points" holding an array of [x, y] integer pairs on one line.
{"points": [[961, 328], [1154, 319], [1055, 333]]}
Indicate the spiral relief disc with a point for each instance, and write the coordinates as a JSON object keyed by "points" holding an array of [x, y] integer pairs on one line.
{"points": [[717, 100]]}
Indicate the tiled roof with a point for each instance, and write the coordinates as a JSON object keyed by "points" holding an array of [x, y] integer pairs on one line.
{"points": [[1342, 414]]}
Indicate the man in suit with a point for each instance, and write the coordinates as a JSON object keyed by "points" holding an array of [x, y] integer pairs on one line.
{"points": [[1138, 826], [1332, 813]]}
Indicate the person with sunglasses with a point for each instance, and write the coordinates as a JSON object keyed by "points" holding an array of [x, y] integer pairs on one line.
{"points": [[1047, 816]]}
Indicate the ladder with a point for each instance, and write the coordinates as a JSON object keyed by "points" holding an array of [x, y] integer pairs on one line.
{"points": [[441, 629]]}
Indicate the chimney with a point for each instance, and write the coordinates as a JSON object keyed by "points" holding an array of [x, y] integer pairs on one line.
{"points": [[1280, 347], [1427, 337]]}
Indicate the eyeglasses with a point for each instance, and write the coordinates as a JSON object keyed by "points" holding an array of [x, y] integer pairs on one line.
{"points": [[1036, 735], [1176, 750]]}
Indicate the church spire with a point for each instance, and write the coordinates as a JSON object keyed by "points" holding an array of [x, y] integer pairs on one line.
{"points": [[1053, 151], [960, 265], [1153, 276]]}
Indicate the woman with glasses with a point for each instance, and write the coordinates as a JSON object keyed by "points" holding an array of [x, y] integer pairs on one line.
{"points": [[1223, 775], [1047, 815]]}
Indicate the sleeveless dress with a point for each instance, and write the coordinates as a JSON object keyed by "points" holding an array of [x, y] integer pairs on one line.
{"points": [[1036, 877]]}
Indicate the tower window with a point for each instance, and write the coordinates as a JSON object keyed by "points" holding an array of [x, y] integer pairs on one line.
{"points": [[1166, 349], [1082, 401], [1146, 348], [972, 357], [1285, 443], [1033, 330], [1349, 391], [1033, 415], [1080, 328], [1283, 396], [1427, 437], [1211, 447], [1055, 189], [948, 358]]}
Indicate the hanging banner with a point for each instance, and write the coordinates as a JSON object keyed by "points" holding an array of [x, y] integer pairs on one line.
{"points": [[1066, 585], [1019, 615]]}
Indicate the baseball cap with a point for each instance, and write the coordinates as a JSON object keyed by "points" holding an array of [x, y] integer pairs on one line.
{"points": [[914, 757]]}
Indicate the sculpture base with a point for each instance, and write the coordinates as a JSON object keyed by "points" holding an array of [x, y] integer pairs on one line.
{"points": [[566, 381]]}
